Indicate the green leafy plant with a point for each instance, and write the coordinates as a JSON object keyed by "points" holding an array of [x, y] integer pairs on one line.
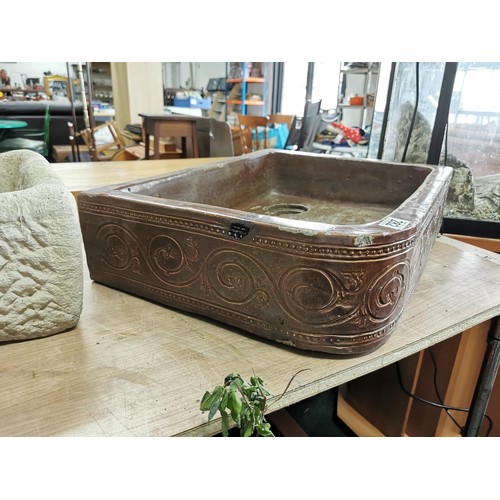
{"points": [[245, 403]]}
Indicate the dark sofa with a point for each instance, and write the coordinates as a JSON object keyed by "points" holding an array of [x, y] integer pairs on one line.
{"points": [[33, 112]]}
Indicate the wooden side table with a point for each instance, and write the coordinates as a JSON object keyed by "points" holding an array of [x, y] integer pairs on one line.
{"points": [[169, 126]]}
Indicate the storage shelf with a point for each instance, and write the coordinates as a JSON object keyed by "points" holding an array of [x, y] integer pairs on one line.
{"points": [[357, 83], [241, 94]]}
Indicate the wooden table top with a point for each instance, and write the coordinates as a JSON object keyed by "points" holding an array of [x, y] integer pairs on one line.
{"points": [[134, 368], [89, 175]]}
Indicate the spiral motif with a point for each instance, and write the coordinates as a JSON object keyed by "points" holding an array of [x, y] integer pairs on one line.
{"points": [[233, 277], [386, 290], [310, 294], [172, 262], [118, 246], [166, 256]]}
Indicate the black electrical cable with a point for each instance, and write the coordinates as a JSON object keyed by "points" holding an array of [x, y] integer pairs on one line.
{"points": [[412, 124], [441, 399], [438, 405], [438, 392]]}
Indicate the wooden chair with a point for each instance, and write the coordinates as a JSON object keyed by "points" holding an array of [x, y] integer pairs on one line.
{"points": [[249, 124], [105, 144], [104, 141]]}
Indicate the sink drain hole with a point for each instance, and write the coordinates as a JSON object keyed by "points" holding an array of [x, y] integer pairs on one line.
{"points": [[286, 209]]}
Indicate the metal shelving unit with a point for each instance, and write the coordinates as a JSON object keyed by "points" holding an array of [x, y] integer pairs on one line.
{"points": [[240, 76], [362, 82]]}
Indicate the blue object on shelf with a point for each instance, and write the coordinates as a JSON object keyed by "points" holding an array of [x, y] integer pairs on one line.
{"points": [[193, 102]]}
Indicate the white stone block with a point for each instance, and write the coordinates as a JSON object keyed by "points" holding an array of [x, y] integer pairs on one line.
{"points": [[41, 260]]}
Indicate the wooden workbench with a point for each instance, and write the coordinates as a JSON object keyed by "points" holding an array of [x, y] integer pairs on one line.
{"points": [[135, 368]]}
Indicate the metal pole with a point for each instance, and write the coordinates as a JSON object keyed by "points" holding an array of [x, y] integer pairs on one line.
{"points": [[277, 89], [442, 113], [309, 87], [90, 114], [484, 386], [386, 112], [91, 97], [73, 113], [84, 97]]}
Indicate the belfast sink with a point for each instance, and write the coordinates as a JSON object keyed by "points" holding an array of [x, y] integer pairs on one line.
{"points": [[313, 251]]}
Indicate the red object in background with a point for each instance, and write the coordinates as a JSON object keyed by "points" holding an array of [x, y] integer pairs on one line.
{"points": [[356, 100], [351, 133]]}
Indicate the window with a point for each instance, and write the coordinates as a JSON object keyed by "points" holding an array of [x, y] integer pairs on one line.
{"points": [[474, 137], [471, 143]]}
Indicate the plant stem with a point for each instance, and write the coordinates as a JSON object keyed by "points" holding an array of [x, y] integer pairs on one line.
{"points": [[288, 385]]}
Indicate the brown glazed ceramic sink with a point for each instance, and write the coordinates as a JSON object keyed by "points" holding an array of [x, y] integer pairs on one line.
{"points": [[313, 251]]}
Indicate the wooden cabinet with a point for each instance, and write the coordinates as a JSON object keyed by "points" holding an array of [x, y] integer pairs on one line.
{"points": [[380, 404]]}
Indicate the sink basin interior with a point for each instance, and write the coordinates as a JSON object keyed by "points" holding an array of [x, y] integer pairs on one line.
{"points": [[281, 185]]}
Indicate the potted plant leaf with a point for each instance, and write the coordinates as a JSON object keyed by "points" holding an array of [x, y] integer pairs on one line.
{"points": [[246, 403]]}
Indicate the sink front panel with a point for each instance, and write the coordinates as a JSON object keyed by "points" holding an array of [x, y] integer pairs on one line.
{"points": [[335, 282]]}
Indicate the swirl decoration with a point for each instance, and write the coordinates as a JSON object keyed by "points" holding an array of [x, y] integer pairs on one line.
{"points": [[237, 278], [119, 247], [171, 263], [166, 256], [312, 295], [322, 297], [386, 290], [353, 281]]}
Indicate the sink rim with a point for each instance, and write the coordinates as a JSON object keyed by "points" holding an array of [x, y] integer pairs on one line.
{"points": [[413, 209]]}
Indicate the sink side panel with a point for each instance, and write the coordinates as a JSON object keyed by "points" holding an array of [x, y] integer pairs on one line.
{"points": [[228, 185], [351, 180], [307, 292]]}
